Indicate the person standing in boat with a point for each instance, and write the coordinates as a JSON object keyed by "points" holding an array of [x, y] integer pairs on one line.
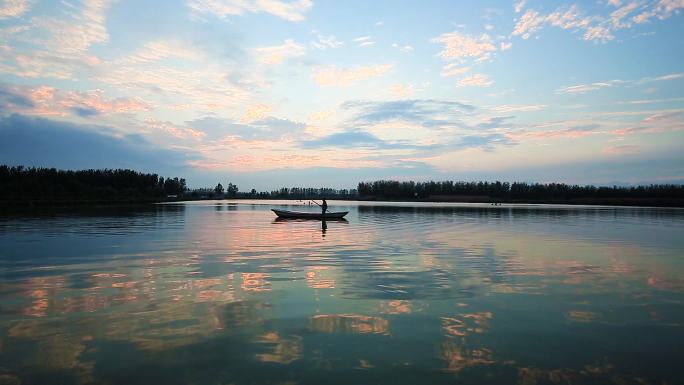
{"points": [[324, 207]]}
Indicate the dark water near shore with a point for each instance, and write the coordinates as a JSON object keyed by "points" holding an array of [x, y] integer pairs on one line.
{"points": [[221, 293]]}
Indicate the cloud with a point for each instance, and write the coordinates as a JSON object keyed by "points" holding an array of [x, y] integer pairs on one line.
{"points": [[453, 69], [505, 46], [421, 128], [670, 77], [50, 143], [402, 90], [256, 112], [583, 88], [621, 149], [322, 115], [615, 123], [325, 42], [57, 47], [353, 139], [519, 6], [406, 48], [485, 141], [529, 23], [44, 100], [428, 127], [558, 129], [279, 53], [600, 28], [153, 126], [84, 112], [565, 18], [266, 128], [13, 8], [363, 41], [12, 100], [77, 34], [458, 45], [616, 18], [160, 50], [506, 108], [665, 117], [427, 113], [674, 76], [598, 33], [477, 80], [662, 10], [291, 11], [651, 101], [331, 76], [492, 122], [201, 85]]}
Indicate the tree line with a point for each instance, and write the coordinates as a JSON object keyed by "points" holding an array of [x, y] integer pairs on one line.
{"points": [[30, 183], [232, 191], [49, 184], [312, 193], [396, 190]]}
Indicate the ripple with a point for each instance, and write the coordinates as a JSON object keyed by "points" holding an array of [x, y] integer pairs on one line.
{"points": [[439, 289]]}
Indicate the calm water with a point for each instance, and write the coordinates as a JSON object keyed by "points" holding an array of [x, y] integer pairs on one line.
{"points": [[221, 293]]}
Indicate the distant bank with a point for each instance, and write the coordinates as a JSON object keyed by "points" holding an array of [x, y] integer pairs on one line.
{"points": [[22, 186]]}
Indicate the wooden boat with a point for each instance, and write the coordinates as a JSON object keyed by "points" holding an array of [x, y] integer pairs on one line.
{"points": [[301, 215]]}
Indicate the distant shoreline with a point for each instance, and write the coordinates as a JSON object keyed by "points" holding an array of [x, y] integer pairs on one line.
{"points": [[66, 203], [634, 202], [22, 187]]}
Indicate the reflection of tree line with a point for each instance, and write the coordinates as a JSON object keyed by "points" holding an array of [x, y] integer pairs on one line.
{"points": [[109, 216], [535, 212]]}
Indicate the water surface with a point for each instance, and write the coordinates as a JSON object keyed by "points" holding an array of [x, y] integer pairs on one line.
{"points": [[219, 292]]}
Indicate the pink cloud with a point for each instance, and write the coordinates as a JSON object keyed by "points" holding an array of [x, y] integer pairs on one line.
{"points": [[335, 76], [621, 149], [458, 45], [179, 132], [476, 80], [50, 101], [13, 8]]}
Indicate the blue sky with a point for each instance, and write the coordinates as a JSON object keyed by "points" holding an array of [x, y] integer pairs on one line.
{"points": [[265, 93]]}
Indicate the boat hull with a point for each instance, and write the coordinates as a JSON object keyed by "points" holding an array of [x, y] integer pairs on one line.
{"points": [[317, 216]]}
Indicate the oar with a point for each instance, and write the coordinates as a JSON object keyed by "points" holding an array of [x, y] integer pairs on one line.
{"points": [[326, 209]]}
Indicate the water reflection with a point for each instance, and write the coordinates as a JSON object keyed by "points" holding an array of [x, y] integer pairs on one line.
{"points": [[218, 292], [349, 323]]}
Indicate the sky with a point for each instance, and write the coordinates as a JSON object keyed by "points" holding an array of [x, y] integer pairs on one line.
{"points": [[271, 93]]}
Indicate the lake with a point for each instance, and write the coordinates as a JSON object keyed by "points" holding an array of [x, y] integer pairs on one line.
{"points": [[219, 292]]}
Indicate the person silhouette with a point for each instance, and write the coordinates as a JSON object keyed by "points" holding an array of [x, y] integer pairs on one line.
{"points": [[324, 207]]}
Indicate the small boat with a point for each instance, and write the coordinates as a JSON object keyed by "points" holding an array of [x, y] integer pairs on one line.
{"points": [[301, 215]]}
